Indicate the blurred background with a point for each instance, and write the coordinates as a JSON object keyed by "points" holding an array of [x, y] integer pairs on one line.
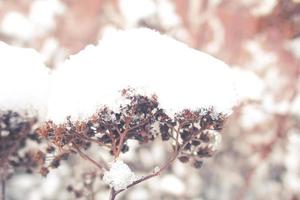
{"points": [[260, 153]]}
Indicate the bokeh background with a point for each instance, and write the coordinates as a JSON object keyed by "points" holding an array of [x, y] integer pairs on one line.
{"points": [[260, 153]]}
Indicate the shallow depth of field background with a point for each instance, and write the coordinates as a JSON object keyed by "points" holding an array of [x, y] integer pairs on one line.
{"points": [[260, 153]]}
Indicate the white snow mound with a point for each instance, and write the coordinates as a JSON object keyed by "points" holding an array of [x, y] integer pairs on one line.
{"points": [[143, 59], [119, 176], [24, 81]]}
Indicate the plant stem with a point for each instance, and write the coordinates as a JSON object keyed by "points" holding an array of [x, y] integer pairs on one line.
{"points": [[122, 137], [92, 194], [2, 197], [85, 156], [112, 194]]}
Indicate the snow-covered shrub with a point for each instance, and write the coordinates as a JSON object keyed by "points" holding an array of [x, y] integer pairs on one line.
{"points": [[172, 93], [169, 92]]}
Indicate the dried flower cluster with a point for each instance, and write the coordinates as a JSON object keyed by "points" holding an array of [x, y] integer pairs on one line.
{"points": [[88, 179], [15, 131], [193, 134], [199, 136], [76, 126], [107, 127]]}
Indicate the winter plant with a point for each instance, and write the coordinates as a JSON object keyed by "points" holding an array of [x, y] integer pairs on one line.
{"points": [[168, 92]]}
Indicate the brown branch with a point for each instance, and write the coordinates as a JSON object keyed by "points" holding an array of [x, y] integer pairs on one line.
{"points": [[86, 157], [91, 191], [94, 140], [123, 136], [114, 193], [3, 187], [144, 122], [23, 134], [113, 142], [154, 174], [129, 129]]}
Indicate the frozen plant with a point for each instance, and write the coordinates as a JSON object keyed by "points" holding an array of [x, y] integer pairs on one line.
{"points": [[192, 134], [151, 63], [176, 94], [172, 93]]}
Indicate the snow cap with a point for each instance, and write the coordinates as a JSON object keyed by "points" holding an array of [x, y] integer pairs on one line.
{"points": [[151, 63], [24, 81]]}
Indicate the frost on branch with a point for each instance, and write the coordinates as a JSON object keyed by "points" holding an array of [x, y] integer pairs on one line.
{"points": [[119, 176]]}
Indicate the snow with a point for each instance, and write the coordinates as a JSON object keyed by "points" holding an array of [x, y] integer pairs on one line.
{"points": [[138, 194], [264, 7], [292, 161], [143, 59], [295, 106], [218, 35], [252, 116], [42, 14], [271, 105], [151, 63], [17, 25], [216, 140], [172, 185], [135, 10], [24, 80], [40, 20], [119, 176], [249, 86], [266, 58], [294, 46], [49, 49], [166, 12]]}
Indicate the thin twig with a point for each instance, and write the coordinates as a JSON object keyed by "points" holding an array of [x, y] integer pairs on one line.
{"points": [[113, 142], [178, 149], [123, 136], [3, 186], [156, 173], [112, 194], [92, 193], [85, 156], [97, 141]]}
